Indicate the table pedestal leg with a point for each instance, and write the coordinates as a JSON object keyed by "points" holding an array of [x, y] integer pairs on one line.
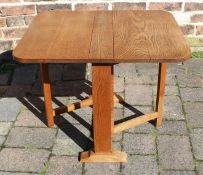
{"points": [[47, 94], [103, 122], [160, 93]]}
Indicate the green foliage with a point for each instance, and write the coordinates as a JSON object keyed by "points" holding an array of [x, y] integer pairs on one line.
{"points": [[195, 42], [154, 132], [44, 169], [197, 54]]}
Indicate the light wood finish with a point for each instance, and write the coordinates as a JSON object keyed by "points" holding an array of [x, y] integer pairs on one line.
{"points": [[134, 122], [149, 36], [103, 37], [103, 122], [47, 94], [82, 104], [102, 91], [113, 156], [73, 106], [160, 93]]}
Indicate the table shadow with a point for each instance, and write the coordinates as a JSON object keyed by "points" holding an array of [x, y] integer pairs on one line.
{"points": [[32, 99]]}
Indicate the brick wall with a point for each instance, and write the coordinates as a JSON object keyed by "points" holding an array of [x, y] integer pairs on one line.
{"points": [[16, 15]]}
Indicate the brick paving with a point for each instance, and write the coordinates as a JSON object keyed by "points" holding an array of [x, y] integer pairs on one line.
{"points": [[27, 146]]}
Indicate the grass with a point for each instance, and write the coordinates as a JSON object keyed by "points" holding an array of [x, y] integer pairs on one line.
{"points": [[44, 169], [197, 54], [195, 42]]}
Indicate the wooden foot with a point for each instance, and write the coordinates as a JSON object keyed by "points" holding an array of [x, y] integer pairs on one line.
{"points": [[160, 93], [47, 94], [114, 156]]}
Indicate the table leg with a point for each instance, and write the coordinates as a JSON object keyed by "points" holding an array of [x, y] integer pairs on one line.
{"points": [[160, 93], [47, 94], [103, 122]]}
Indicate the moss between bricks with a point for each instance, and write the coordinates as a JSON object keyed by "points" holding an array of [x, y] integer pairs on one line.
{"points": [[44, 169]]}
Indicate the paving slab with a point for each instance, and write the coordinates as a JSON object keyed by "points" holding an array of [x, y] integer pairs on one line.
{"points": [[177, 173], [139, 79], [61, 99], [137, 165], [117, 145], [2, 138], [64, 165], [27, 118], [132, 110], [193, 66], [9, 112], [64, 88], [190, 80], [146, 69], [3, 90], [194, 113], [172, 156], [55, 72], [74, 129], [117, 137], [71, 88], [4, 78], [118, 114], [191, 94], [79, 116], [139, 143], [22, 160], [74, 71], [124, 70], [169, 90], [28, 70], [34, 103], [144, 128], [31, 137], [118, 84], [171, 79], [16, 173], [173, 108], [138, 94], [175, 68], [119, 105], [18, 91], [5, 127], [173, 128], [102, 168], [200, 168], [71, 139], [197, 143]]}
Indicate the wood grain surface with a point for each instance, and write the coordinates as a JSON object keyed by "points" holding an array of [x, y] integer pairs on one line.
{"points": [[102, 93], [47, 94], [103, 37]]}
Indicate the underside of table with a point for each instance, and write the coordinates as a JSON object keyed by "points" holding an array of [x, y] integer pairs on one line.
{"points": [[102, 101]]}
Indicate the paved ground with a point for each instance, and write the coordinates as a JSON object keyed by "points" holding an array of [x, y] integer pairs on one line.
{"points": [[27, 146]]}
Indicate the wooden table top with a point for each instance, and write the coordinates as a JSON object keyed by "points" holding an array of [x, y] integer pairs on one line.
{"points": [[103, 37]]}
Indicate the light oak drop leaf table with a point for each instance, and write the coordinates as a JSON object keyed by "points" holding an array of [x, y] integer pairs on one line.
{"points": [[103, 38]]}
